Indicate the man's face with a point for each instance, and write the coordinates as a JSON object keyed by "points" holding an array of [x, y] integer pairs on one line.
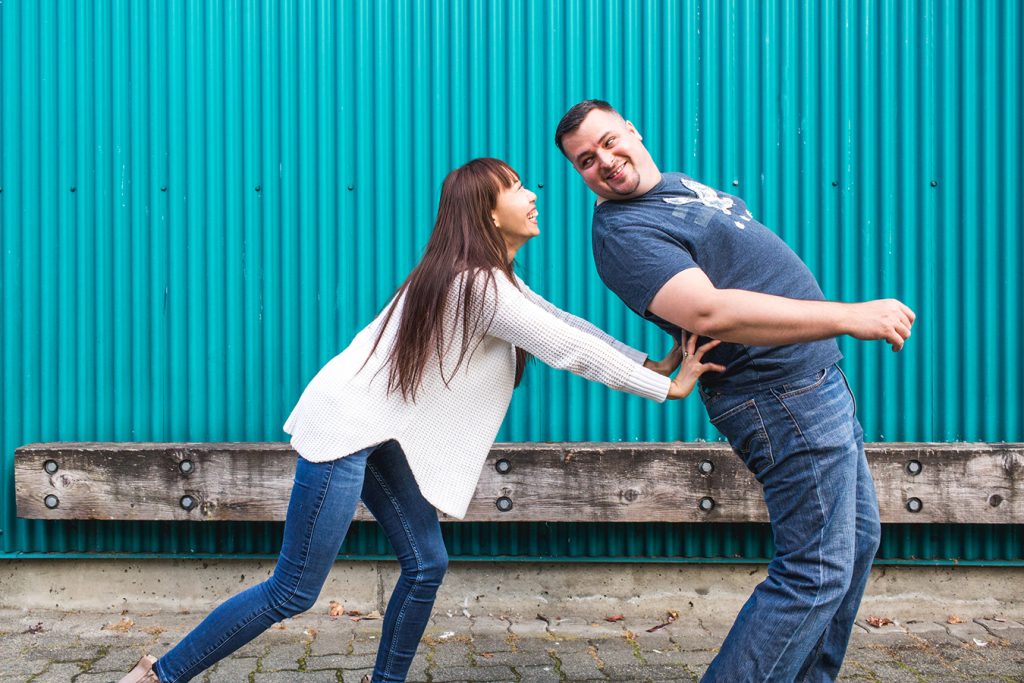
{"points": [[610, 155]]}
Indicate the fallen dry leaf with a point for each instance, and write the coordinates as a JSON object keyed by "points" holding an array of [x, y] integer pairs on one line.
{"points": [[279, 627], [356, 615], [487, 654], [879, 622], [124, 625], [617, 617], [669, 618], [335, 609], [954, 619], [153, 630]]}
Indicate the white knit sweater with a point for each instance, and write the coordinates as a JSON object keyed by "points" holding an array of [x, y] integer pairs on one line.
{"points": [[448, 431]]}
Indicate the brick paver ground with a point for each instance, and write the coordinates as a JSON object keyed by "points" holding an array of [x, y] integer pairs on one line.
{"points": [[57, 647]]}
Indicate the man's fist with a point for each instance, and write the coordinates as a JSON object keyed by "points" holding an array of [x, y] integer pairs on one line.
{"points": [[887, 319]]}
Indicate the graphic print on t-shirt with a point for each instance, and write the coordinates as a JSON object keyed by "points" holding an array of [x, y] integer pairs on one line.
{"points": [[708, 197]]}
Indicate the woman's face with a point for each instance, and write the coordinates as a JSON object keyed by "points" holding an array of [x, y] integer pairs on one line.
{"points": [[515, 214]]}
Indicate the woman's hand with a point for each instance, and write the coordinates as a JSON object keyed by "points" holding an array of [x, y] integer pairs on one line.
{"points": [[692, 368], [667, 365]]}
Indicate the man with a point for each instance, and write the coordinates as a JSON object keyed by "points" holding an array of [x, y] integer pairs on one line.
{"points": [[689, 258]]}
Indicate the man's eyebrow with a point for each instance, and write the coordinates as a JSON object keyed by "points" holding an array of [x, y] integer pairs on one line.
{"points": [[586, 152]]}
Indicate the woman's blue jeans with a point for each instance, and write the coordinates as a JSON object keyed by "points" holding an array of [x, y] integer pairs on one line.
{"points": [[804, 444], [323, 500]]}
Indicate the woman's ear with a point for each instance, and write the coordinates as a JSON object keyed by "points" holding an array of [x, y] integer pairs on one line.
{"points": [[494, 218]]}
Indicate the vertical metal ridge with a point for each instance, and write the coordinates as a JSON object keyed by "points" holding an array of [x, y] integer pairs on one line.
{"points": [[12, 182]]}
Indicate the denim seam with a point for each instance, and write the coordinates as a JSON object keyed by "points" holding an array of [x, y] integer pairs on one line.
{"points": [[416, 553], [846, 381], [792, 417], [761, 431], [732, 411], [821, 571], [803, 390], [295, 589], [816, 653]]}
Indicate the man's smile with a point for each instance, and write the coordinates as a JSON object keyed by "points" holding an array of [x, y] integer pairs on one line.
{"points": [[617, 172]]}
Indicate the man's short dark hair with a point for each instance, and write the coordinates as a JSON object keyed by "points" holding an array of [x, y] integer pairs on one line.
{"points": [[574, 118]]}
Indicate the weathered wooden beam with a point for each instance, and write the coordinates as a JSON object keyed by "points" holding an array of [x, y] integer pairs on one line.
{"points": [[529, 482]]}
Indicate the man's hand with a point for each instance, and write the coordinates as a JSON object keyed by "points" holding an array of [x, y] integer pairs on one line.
{"points": [[667, 365], [886, 319]]}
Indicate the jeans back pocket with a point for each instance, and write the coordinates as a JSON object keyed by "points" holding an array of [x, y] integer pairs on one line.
{"points": [[743, 427], [802, 385]]}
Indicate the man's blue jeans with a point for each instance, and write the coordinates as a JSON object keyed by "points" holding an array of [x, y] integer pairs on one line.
{"points": [[804, 444], [322, 503]]}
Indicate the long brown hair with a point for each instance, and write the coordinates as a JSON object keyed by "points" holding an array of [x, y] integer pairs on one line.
{"points": [[464, 241]]}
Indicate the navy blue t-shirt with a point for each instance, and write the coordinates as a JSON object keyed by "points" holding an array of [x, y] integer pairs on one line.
{"points": [[641, 243]]}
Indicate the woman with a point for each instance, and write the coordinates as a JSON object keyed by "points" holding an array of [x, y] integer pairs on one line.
{"points": [[405, 416]]}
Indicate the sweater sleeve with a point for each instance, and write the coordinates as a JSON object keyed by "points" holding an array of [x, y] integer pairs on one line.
{"points": [[523, 323], [583, 325]]}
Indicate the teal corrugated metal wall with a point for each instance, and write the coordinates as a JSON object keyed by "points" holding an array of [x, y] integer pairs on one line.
{"points": [[201, 202]]}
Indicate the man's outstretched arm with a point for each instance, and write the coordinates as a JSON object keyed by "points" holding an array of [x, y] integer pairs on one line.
{"points": [[735, 315]]}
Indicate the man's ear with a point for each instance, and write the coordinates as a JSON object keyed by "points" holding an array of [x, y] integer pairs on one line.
{"points": [[632, 129]]}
